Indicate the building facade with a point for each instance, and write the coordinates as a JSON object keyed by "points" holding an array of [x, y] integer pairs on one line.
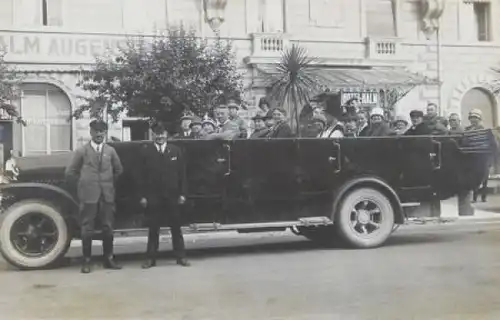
{"points": [[356, 40]]}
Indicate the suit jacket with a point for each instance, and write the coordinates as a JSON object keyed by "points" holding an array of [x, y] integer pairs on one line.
{"points": [[228, 131], [421, 129], [94, 173], [257, 134], [281, 130], [242, 127], [162, 175], [379, 130]]}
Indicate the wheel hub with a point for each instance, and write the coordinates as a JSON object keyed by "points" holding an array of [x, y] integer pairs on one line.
{"points": [[363, 216]]}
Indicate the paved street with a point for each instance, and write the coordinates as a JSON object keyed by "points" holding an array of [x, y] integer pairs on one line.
{"points": [[436, 271]]}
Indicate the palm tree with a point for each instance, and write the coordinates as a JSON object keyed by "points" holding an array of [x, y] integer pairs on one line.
{"points": [[295, 80]]}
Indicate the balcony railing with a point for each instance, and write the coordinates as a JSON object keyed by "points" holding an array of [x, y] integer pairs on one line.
{"points": [[383, 49], [269, 44]]}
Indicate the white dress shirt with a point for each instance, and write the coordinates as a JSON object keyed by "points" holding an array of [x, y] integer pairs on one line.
{"points": [[161, 147], [97, 147]]}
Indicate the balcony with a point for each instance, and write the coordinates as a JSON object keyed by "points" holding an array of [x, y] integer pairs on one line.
{"points": [[268, 45], [384, 49]]}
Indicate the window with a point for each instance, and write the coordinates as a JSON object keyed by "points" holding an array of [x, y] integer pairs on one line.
{"points": [[482, 20], [380, 18], [46, 110], [52, 12], [38, 12], [271, 16]]}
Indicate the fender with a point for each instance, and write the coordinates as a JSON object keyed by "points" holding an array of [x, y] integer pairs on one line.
{"points": [[17, 187], [370, 181]]}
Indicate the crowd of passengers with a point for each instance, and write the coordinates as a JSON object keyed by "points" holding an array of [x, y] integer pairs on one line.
{"points": [[354, 122]]}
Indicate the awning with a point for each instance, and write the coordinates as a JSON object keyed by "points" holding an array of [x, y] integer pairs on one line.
{"points": [[366, 78]]}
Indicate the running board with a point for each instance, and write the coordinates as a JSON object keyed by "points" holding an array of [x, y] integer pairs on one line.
{"points": [[213, 227]]}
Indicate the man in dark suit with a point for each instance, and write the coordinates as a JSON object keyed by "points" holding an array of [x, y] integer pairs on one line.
{"points": [[95, 167], [163, 187]]}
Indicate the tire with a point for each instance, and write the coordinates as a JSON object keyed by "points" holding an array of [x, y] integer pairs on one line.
{"points": [[52, 235], [365, 218]]}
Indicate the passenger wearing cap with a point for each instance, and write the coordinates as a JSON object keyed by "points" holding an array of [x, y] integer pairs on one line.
{"points": [[260, 128], [196, 128], [185, 127], [269, 119], [234, 107], [400, 125], [162, 187], [418, 126], [476, 123], [476, 120], [94, 169], [378, 125], [208, 125]]}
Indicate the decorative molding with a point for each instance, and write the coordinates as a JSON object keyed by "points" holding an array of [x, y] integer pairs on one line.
{"points": [[483, 81]]}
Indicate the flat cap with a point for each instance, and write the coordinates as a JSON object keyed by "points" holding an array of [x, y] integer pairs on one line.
{"points": [[416, 113], [195, 120], [158, 127], [476, 113], [259, 116], [98, 125]]}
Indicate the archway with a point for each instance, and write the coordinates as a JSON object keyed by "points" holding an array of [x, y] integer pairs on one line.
{"points": [[479, 98], [46, 110]]}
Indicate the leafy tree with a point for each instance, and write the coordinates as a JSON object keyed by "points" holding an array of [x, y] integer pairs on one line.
{"points": [[294, 81], [162, 78], [9, 92]]}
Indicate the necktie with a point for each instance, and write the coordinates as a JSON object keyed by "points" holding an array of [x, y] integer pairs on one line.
{"points": [[98, 148], [159, 148]]}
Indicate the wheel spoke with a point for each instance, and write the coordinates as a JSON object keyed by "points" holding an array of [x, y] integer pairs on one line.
{"points": [[363, 229], [374, 211], [374, 224]]}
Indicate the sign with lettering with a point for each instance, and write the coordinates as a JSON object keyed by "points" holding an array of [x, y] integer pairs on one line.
{"points": [[57, 47], [365, 97]]}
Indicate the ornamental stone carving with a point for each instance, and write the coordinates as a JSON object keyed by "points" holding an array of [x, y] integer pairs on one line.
{"points": [[431, 12]]}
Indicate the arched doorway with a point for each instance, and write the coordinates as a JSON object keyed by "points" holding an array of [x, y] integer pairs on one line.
{"points": [[477, 98], [46, 110]]}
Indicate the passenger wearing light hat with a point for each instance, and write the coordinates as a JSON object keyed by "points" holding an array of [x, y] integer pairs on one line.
{"points": [[476, 120], [378, 125]]}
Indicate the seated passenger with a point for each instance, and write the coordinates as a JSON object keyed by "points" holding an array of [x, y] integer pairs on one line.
{"points": [[419, 127], [400, 125], [351, 127], [269, 119], [196, 128], [476, 120], [260, 128], [315, 126], [378, 125], [455, 124], [433, 121], [208, 125], [281, 128], [333, 129], [228, 130], [362, 124]]}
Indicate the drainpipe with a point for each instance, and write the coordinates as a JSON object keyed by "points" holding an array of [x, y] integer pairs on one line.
{"points": [[439, 62]]}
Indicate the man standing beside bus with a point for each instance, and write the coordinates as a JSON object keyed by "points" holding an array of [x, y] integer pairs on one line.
{"points": [[163, 187], [96, 167]]}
